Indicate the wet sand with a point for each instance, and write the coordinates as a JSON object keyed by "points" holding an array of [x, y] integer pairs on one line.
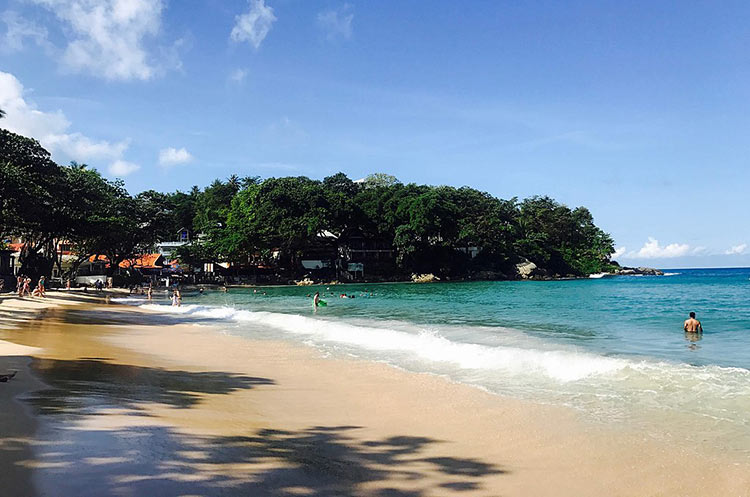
{"points": [[121, 401]]}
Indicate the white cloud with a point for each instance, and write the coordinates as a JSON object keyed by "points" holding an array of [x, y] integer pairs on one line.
{"points": [[51, 129], [107, 37], [737, 249], [619, 252], [652, 250], [172, 156], [337, 22], [18, 29], [122, 168], [254, 25], [238, 75]]}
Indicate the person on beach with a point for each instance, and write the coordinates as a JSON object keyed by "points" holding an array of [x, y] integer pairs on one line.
{"points": [[67, 284], [37, 292], [19, 285], [150, 293], [41, 285], [692, 325], [26, 288], [316, 300]]}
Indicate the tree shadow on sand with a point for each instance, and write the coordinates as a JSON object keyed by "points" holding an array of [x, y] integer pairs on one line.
{"points": [[87, 384], [80, 452], [318, 461]]}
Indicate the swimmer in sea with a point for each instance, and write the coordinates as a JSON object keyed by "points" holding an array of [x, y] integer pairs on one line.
{"points": [[692, 325]]}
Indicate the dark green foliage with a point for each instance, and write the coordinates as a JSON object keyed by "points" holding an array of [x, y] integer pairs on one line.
{"points": [[429, 229], [28, 179], [562, 240]]}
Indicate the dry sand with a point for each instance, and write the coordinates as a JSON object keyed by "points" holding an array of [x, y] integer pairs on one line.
{"points": [[120, 401]]}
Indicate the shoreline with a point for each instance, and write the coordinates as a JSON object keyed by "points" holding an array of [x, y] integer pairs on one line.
{"points": [[278, 413], [399, 282]]}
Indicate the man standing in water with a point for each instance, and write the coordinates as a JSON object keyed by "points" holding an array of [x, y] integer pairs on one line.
{"points": [[692, 325]]}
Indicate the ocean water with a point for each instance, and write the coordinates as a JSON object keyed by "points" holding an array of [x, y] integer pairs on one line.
{"points": [[612, 348]]}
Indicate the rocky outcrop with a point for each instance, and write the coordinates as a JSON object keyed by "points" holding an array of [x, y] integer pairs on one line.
{"points": [[527, 270], [424, 278], [646, 271]]}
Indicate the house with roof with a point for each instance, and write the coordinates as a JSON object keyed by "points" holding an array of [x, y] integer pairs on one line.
{"points": [[64, 254], [166, 248], [154, 266]]}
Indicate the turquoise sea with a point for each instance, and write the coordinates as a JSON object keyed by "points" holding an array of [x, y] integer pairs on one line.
{"points": [[612, 348]]}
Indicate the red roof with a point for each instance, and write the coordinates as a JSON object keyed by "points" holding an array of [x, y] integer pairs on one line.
{"points": [[142, 261]]}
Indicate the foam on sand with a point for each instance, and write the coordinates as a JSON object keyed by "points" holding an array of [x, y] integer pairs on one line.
{"points": [[514, 363]]}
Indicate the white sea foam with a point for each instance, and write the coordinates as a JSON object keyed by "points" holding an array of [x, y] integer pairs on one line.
{"points": [[427, 345], [671, 274], [521, 354], [512, 362]]}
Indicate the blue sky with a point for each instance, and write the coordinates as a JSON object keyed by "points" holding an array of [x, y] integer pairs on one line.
{"points": [[637, 110]]}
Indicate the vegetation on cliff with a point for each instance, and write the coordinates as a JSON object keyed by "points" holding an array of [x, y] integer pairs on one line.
{"points": [[447, 231]]}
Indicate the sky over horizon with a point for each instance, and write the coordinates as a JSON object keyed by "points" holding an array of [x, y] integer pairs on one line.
{"points": [[638, 110]]}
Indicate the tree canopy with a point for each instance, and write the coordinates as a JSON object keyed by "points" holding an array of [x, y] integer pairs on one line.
{"points": [[440, 229]]}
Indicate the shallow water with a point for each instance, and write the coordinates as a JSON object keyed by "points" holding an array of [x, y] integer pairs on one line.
{"points": [[613, 348]]}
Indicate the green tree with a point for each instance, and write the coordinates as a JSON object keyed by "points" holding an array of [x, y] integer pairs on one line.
{"points": [[118, 226], [376, 180], [560, 239], [30, 187]]}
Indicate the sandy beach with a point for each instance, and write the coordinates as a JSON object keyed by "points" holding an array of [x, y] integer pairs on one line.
{"points": [[115, 400]]}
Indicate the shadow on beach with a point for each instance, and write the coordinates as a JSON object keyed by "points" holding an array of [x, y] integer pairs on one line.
{"points": [[136, 454], [87, 383], [107, 428], [318, 461]]}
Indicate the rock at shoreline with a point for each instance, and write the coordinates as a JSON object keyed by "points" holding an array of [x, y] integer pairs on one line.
{"points": [[646, 271], [527, 270], [424, 278]]}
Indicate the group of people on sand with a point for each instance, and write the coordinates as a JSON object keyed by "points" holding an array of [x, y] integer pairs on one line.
{"points": [[23, 286]]}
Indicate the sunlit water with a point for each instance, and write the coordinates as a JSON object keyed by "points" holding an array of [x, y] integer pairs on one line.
{"points": [[613, 348]]}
